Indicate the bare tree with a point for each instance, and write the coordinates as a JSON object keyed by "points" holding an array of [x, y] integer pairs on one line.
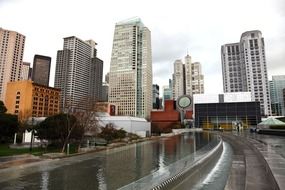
{"points": [[87, 119]]}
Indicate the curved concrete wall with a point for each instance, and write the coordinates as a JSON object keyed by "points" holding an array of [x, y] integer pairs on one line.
{"points": [[196, 173]]}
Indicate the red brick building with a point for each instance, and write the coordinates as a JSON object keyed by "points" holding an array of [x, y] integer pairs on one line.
{"points": [[163, 121]]}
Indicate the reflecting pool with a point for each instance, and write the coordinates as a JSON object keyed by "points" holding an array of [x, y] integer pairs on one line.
{"points": [[110, 169]]}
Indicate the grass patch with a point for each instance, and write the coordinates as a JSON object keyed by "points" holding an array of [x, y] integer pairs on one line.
{"points": [[5, 150]]}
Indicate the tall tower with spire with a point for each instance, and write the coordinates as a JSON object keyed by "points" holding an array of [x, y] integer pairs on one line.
{"points": [[187, 78]]}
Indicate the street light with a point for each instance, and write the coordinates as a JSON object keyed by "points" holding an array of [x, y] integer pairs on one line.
{"points": [[32, 135]]}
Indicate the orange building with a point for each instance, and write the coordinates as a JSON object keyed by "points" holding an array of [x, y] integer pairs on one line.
{"points": [[28, 99]]}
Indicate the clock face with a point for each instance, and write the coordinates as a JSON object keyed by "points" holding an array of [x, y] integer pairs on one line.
{"points": [[184, 102]]}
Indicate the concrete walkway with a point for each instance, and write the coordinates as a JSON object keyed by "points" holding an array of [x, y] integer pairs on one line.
{"points": [[250, 170], [275, 161], [11, 161]]}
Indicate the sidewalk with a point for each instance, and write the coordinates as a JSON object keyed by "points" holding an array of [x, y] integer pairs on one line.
{"points": [[275, 161], [16, 160], [249, 168]]}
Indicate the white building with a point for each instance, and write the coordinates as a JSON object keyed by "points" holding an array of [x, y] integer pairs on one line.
{"points": [[130, 77], [244, 68], [11, 58], [222, 98], [134, 125]]}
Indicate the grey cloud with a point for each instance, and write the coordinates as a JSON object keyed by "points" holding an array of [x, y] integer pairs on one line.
{"points": [[168, 48], [163, 70], [280, 6], [275, 53], [3, 2]]}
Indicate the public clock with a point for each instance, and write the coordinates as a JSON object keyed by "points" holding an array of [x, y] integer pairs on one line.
{"points": [[184, 102]]}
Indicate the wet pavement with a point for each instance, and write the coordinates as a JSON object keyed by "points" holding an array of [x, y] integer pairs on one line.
{"points": [[258, 161], [273, 150]]}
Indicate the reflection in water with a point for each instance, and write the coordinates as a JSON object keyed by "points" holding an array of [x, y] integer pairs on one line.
{"points": [[45, 177], [161, 165], [101, 180], [111, 169]]}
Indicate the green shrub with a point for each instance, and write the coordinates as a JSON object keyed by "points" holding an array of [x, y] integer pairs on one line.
{"points": [[277, 127], [109, 133]]}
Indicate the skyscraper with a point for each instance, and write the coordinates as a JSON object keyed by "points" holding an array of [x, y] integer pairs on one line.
{"points": [[78, 73], [41, 69], [178, 79], [26, 71], [11, 58], [155, 96], [233, 77], [197, 79], [187, 78], [244, 68], [167, 92], [130, 77], [276, 93]]}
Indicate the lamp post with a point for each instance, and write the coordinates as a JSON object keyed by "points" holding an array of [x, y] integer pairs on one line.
{"points": [[32, 135]]}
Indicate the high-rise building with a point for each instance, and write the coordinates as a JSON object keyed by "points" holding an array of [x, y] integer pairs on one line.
{"points": [[78, 73], [26, 71], [167, 92], [11, 58], [178, 79], [276, 93], [130, 77], [107, 78], [187, 78], [244, 68], [96, 83], [155, 96], [232, 65], [28, 99], [197, 79], [41, 69], [105, 91]]}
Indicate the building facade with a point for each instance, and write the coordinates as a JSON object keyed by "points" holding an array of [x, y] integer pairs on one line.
{"points": [[187, 78], [78, 74], [105, 91], [155, 96], [41, 69], [197, 79], [226, 110], [244, 68], [233, 78], [130, 77], [26, 71], [28, 99], [11, 58], [227, 115], [178, 79], [96, 84], [276, 93]]}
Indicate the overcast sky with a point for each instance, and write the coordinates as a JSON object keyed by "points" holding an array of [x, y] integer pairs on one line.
{"points": [[197, 26]]}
